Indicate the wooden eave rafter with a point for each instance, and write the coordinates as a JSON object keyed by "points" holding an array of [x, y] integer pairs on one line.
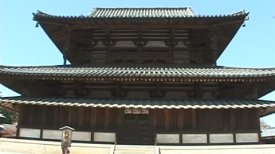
{"points": [[138, 79], [188, 23]]}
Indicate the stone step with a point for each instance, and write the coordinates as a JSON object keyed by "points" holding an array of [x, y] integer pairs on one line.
{"points": [[134, 150]]}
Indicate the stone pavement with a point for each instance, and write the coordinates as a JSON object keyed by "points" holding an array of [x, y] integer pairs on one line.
{"points": [[20, 146]]}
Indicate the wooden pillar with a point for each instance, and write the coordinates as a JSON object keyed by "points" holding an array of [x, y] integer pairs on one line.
{"points": [[55, 116], [20, 120], [167, 119], [107, 118], [233, 121], [119, 114], [154, 119], [69, 116], [93, 122], [180, 119], [80, 118], [258, 123], [245, 120], [194, 119], [42, 119], [233, 124], [30, 115]]}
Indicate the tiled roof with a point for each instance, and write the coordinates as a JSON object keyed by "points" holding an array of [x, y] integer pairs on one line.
{"points": [[137, 13], [139, 103], [139, 73], [142, 12]]}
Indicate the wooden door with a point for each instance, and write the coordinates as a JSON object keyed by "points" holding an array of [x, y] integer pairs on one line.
{"points": [[136, 129]]}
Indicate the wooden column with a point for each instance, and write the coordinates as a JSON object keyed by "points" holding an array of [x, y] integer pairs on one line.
{"points": [[154, 118], [119, 114], [20, 120], [107, 118], [55, 117], [180, 119], [245, 120], [167, 119], [258, 123], [42, 120], [70, 116], [93, 118], [93, 122], [194, 119], [80, 118], [233, 124]]}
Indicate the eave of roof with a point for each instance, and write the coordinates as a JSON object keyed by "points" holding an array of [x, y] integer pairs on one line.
{"points": [[138, 103], [109, 15], [144, 74]]}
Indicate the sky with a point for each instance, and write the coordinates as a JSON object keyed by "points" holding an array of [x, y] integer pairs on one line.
{"points": [[22, 44]]}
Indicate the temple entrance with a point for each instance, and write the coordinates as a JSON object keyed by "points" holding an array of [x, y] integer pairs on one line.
{"points": [[136, 129]]}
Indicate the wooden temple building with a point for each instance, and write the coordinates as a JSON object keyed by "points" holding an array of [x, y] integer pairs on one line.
{"points": [[140, 76]]}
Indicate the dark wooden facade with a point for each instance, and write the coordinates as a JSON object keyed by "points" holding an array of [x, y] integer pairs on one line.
{"points": [[142, 128]]}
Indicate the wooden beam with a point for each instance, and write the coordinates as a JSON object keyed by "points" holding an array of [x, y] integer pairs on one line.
{"points": [[143, 25]]}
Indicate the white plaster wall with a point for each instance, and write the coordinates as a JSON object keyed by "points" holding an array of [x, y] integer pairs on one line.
{"points": [[104, 137], [52, 134], [29, 132], [81, 136], [247, 137], [194, 138], [168, 138], [221, 138]]}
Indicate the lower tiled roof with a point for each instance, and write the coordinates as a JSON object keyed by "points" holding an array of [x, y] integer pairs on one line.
{"points": [[109, 73], [139, 103]]}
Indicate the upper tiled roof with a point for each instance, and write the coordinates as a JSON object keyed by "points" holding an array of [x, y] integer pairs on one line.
{"points": [[108, 73], [142, 12]]}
